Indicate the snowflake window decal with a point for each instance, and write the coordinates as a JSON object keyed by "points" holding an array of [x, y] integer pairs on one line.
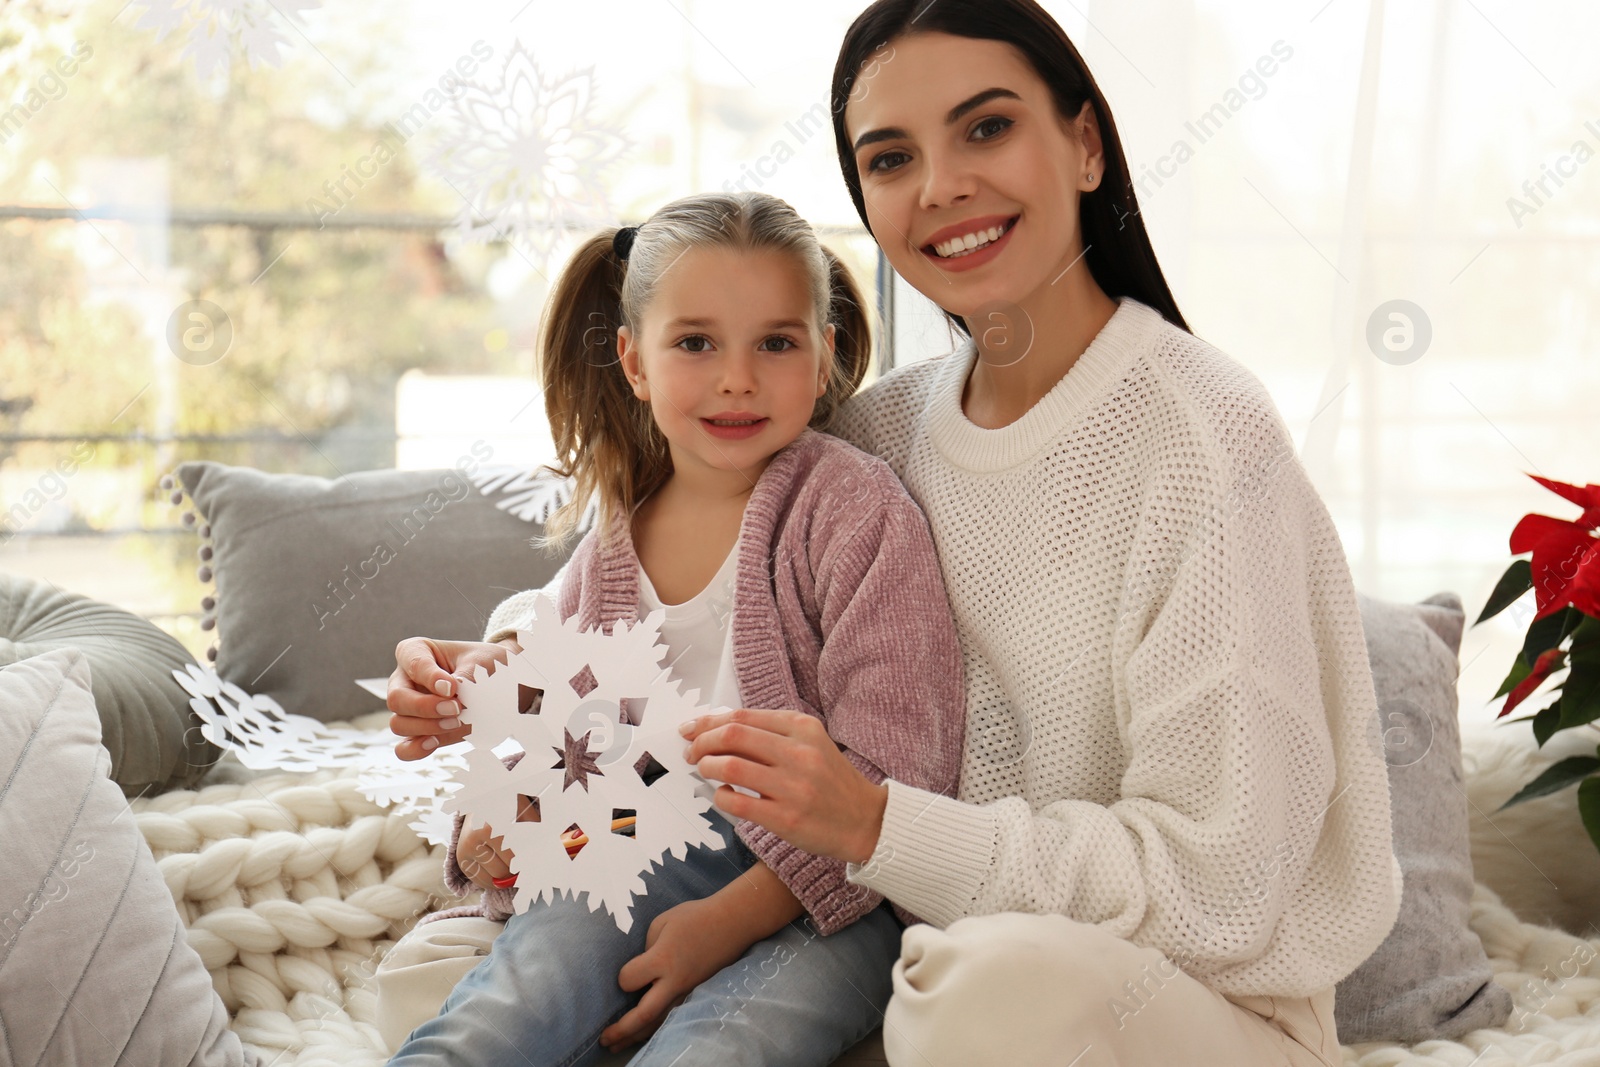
{"points": [[217, 26], [527, 155], [610, 767]]}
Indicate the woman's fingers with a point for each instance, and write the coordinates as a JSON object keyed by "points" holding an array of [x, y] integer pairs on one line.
{"points": [[738, 771], [447, 730], [404, 700], [419, 737], [772, 720], [426, 713], [753, 733], [418, 747], [426, 664]]}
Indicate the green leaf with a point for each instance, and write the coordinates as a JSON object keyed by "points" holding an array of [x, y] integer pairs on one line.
{"points": [[1519, 670], [1546, 723], [1555, 778], [1516, 581], [1580, 699], [1548, 632], [1589, 808], [1586, 641]]}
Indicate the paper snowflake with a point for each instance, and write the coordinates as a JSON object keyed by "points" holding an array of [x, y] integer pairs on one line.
{"points": [[216, 26], [597, 717], [262, 736], [527, 155], [530, 495]]}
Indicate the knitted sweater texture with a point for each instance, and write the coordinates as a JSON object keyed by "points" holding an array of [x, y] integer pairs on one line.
{"points": [[839, 611], [1171, 724]]}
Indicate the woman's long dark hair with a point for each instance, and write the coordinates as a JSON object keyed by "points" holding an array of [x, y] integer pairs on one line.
{"points": [[1117, 248]]}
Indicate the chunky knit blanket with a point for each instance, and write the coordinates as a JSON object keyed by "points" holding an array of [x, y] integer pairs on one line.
{"points": [[293, 886]]}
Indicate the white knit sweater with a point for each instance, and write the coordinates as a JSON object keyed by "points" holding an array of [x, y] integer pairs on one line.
{"points": [[1172, 730]]}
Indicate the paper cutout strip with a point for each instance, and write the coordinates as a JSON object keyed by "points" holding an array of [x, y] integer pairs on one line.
{"points": [[263, 736]]}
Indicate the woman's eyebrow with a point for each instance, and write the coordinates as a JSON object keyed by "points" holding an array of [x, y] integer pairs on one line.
{"points": [[889, 133]]}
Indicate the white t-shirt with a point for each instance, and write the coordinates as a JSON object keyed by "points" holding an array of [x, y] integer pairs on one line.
{"points": [[699, 638], [699, 635]]}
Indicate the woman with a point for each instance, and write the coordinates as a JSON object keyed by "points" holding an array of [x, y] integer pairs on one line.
{"points": [[1171, 836]]}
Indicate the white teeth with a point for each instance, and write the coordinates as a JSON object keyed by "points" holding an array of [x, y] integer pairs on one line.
{"points": [[958, 246]]}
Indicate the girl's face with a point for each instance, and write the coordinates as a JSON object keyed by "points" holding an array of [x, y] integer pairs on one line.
{"points": [[969, 175], [729, 357]]}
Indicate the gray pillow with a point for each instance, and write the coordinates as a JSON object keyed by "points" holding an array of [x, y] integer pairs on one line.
{"points": [[95, 967], [318, 580], [1430, 978], [146, 724]]}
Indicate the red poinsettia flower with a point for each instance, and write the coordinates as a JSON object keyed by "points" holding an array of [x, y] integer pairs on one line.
{"points": [[1547, 664], [1566, 554]]}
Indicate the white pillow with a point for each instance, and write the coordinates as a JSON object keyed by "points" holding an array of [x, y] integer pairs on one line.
{"points": [[95, 967]]}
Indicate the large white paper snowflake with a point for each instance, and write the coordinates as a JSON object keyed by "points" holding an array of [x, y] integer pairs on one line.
{"points": [[528, 155], [217, 26], [597, 716]]}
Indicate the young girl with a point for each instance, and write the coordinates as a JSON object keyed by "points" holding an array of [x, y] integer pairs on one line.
{"points": [[796, 573]]}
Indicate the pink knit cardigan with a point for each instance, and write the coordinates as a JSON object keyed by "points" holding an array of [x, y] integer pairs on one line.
{"points": [[839, 611]]}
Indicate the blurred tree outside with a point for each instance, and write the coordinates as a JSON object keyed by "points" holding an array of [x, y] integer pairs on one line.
{"points": [[324, 322]]}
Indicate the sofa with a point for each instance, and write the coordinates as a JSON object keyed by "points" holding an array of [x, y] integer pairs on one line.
{"points": [[291, 886]]}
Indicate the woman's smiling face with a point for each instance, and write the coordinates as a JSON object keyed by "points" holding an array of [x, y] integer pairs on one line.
{"points": [[958, 142]]}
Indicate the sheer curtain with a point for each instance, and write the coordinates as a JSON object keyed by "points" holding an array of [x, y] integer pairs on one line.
{"points": [[1301, 168], [1387, 209]]}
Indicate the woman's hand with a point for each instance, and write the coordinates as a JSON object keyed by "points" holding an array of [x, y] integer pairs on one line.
{"points": [[811, 795], [685, 945], [422, 690], [481, 856]]}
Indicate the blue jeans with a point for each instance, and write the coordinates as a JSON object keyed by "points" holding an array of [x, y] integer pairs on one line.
{"points": [[549, 986]]}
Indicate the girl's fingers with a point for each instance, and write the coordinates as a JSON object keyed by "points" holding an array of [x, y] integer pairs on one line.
{"points": [[634, 1025], [483, 858], [638, 972], [485, 865]]}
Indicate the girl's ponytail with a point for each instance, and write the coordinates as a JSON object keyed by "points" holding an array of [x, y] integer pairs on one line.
{"points": [[852, 340], [605, 438]]}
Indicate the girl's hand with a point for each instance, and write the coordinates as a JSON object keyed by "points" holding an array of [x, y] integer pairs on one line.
{"points": [[422, 690], [811, 795], [685, 945], [481, 856]]}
